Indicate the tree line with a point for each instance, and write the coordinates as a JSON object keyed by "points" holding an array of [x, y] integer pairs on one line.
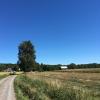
{"points": [[80, 66], [46, 67], [37, 67], [4, 67]]}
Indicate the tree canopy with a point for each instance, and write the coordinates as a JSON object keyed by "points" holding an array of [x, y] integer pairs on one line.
{"points": [[26, 56]]}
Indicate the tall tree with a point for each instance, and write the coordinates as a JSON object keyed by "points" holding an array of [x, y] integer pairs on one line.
{"points": [[26, 56]]}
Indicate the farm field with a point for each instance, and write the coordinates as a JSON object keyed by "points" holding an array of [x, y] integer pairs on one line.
{"points": [[86, 70], [62, 85]]}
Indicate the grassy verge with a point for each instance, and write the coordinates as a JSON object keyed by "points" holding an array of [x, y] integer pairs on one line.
{"points": [[3, 75], [27, 88]]}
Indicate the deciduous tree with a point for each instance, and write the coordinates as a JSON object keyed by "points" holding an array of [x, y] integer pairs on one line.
{"points": [[26, 56]]}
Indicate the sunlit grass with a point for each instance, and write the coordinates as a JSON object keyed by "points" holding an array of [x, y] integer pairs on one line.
{"points": [[3, 74], [38, 89], [58, 86], [18, 73]]}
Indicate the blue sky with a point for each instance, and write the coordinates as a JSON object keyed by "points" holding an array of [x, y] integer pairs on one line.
{"points": [[62, 31]]}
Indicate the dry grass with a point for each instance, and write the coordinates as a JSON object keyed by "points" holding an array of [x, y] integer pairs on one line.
{"points": [[18, 73], [4, 73], [66, 75], [59, 85], [86, 70], [85, 80]]}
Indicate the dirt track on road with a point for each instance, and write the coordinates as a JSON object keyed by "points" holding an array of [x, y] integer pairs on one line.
{"points": [[7, 88]]}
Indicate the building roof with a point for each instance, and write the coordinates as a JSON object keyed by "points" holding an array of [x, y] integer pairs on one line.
{"points": [[64, 67]]}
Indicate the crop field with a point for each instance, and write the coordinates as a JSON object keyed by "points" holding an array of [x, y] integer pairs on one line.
{"points": [[63, 85]]}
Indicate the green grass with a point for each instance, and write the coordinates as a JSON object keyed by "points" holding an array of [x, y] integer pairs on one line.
{"points": [[27, 88]]}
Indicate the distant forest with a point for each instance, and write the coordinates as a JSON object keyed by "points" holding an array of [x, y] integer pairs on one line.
{"points": [[80, 66], [45, 67], [4, 67]]}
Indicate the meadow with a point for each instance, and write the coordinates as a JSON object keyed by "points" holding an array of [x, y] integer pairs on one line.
{"points": [[59, 85]]}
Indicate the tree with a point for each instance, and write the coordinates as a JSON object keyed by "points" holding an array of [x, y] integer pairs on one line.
{"points": [[26, 56], [71, 66]]}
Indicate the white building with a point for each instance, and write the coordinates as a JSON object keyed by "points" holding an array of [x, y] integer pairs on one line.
{"points": [[64, 67]]}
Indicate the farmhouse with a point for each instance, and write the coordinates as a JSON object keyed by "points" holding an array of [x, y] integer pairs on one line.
{"points": [[64, 67], [8, 70]]}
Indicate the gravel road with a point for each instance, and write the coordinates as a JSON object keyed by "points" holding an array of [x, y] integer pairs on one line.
{"points": [[7, 89]]}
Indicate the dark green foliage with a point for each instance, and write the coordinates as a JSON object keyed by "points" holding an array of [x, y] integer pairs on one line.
{"points": [[45, 67], [80, 66], [72, 66], [4, 67], [26, 56]]}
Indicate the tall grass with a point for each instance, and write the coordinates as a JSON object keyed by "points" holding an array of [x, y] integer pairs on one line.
{"points": [[39, 89]]}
